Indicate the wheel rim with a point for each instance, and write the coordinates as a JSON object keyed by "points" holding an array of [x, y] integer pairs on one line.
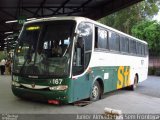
{"points": [[95, 92]]}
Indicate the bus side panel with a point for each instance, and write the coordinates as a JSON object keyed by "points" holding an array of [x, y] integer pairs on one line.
{"points": [[106, 75], [114, 77], [81, 87], [124, 66], [109, 77], [123, 77]]}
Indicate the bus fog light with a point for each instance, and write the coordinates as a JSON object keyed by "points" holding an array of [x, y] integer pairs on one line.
{"points": [[60, 87]]}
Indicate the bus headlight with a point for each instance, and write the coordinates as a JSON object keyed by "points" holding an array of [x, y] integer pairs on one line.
{"points": [[60, 87], [15, 78], [15, 84], [15, 81]]}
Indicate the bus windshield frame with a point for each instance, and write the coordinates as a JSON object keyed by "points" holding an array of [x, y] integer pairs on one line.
{"points": [[44, 49]]}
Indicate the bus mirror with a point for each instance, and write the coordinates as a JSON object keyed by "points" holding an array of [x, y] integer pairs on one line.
{"points": [[79, 33]]}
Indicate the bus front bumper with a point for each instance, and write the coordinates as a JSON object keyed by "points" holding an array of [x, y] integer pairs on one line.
{"points": [[52, 97]]}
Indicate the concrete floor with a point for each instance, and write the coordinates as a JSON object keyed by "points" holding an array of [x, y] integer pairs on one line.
{"points": [[146, 99]]}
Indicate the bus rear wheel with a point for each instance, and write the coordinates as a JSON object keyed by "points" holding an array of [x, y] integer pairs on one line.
{"points": [[96, 91], [134, 86]]}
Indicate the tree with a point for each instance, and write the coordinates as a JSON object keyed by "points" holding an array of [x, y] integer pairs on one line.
{"points": [[125, 19], [149, 31]]}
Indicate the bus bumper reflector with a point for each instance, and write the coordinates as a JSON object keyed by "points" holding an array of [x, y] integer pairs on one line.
{"points": [[56, 102]]}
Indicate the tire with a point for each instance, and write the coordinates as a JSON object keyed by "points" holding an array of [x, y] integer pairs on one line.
{"points": [[134, 86], [95, 92]]}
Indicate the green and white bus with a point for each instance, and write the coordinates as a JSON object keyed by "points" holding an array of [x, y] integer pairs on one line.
{"points": [[66, 59]]}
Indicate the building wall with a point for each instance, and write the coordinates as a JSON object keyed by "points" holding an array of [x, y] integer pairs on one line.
{"points": [[154, 62]]}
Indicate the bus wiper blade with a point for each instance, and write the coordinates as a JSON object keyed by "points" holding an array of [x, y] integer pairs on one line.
{"points": [[23, 66]]}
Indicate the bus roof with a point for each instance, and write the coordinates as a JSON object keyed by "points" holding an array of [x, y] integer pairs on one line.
{"points": [[80, 19]]}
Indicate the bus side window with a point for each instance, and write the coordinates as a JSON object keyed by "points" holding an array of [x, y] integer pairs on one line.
{"points": [[124, 44], [139, 48], [146, 50], [132, 46], [102, 39], [114, 41]]}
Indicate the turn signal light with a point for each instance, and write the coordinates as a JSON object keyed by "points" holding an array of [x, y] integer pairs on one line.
{"points": [[89, 70]]}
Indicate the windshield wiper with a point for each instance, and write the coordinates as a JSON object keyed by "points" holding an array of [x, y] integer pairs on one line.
{"points": [[23, 66]]}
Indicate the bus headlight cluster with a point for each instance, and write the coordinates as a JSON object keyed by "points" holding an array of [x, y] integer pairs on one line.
{"points": [[15, 84], [60, 87], [15, 81], [15, 78]]}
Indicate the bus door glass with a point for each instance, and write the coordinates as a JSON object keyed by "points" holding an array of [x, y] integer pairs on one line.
{"points": [[83, 48]]}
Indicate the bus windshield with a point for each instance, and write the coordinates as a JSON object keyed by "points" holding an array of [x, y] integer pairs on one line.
{"points": [[44, 49]]}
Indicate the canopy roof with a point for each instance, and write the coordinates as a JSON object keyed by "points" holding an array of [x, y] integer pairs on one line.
{"points": [[22, 9]]}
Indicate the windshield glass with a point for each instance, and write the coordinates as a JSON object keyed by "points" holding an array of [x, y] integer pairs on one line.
{"points": [[44, 49]]}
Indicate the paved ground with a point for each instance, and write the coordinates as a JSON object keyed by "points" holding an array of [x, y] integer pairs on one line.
{"points": [[146, 99]]}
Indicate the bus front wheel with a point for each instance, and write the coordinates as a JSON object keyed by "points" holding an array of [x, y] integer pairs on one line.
{"points": [[95, 92]]}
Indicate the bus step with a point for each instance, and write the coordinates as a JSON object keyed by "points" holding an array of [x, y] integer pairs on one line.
{"points": [[82, 103]]}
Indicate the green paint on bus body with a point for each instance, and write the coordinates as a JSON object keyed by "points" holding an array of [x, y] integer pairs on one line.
{"points": [[79, 88], [42, 94]]}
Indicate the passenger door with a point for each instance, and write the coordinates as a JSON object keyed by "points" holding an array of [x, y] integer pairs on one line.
{"points": [[81, 58]]}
